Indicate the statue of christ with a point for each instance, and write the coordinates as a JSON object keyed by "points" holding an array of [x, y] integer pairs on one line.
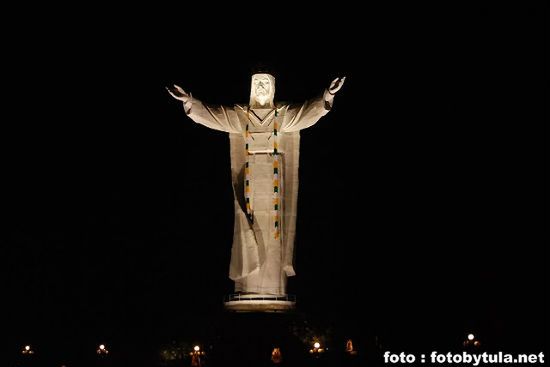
{"points": [[264, 145]]}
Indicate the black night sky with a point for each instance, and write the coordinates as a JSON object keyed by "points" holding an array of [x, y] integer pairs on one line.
{"points": [[421, 194]]}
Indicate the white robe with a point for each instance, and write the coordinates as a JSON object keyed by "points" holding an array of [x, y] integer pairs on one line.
{"points": [[260, 262]]}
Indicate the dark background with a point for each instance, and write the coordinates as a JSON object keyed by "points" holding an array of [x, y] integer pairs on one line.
{"points": [[421, 204]]}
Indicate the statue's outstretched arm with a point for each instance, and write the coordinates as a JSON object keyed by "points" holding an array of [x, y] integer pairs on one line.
{"points": [[215, 117], [302, 116]]}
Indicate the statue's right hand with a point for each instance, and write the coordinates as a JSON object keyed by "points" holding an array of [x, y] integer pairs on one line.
{"points": [[178, 93]]}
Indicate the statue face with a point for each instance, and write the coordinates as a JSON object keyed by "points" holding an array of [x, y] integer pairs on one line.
{"points": [[263, 89], [262, 86]]}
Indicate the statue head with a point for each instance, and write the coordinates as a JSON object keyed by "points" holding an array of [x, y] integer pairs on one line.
{"points": [[262, 91]]}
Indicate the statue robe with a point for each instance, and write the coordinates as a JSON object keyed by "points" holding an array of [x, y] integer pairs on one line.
{"points": [[261, 261]]}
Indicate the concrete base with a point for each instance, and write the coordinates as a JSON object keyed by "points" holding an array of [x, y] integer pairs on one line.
{"points": [[259, 303]]}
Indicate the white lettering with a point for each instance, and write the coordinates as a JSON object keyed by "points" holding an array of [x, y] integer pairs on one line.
{"points": [[477, 359]]}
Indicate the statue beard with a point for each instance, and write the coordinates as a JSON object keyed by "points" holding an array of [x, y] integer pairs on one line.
{"points": [[262, 96]]}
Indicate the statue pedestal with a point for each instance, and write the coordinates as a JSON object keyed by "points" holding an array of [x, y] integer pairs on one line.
{"points": [[260, 303]]}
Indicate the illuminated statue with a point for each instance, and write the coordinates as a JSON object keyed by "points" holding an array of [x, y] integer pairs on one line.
{"points": [[264, 141]]}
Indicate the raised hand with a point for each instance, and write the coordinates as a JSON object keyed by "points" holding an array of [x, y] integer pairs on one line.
{"points": [[336, 85], [178, 93]]}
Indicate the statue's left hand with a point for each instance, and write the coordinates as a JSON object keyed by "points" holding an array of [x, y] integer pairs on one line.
{"points": [[336, 85], [178, 93]]}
